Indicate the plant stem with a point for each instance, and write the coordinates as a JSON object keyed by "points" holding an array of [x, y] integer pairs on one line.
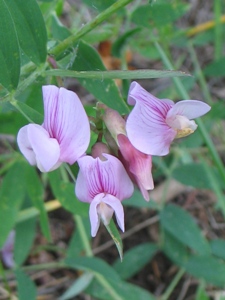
{"points": [[46, 266], [14, 103], [70, 172], [204, 132], [173, 284], [218, 29], [200, 75], [204, 26], [33, 211], [88, 27], [83, 235]]}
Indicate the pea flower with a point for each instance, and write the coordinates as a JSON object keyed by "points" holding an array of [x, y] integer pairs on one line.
{"points": [[64, 135], [104, 183], [137, 164], [153, 123], [7, 250]]}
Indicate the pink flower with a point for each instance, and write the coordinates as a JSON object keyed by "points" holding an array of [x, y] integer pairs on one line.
{"points": [[153, 123], [137, 164], [63, 137], [103, 184]]}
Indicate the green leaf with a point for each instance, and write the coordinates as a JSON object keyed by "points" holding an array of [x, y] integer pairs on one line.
{"points": [[64, 192], [31, 114], [182, 226], [94, 265], [207, 268], [194, 174], [114, 233], [135, 259], [78, 286], [99, 4], [124, 289], [122, 40], [103, 89], [36, 193], [116, 74], [201, 294], [59, 32], [137, 200], [30, 28], [9, 49], [11, 122], [25, 234], [26, 287], [76, 247], [216, 68], [157, 15], [11, 196], [174, 249], [218, 248]]}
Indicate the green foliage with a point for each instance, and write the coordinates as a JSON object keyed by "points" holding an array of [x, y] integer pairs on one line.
{"points": [[26, 287], [215, 69], [147, 15], [194, 174], [78, 286], [25, 234], [35, 33], [87, 59], [9, 50], [36, 193], [98, 4], [135, 259], [30, 28], [182, 227], [12, 194], [64, 192], [23, 29], [114, 233]]}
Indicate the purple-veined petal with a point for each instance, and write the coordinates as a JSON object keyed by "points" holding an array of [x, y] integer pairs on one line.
{"points": [[189, 108], [25, 146], [115, 179], [97, 176], [93, 214], [88, 183], [66, 120], [116, 205], [147, 130], [46, 149], [138, 94], [146, 126]]}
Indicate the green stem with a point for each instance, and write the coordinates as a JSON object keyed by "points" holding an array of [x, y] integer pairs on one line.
{"points": [[218, 29], [204, 132], [51, 265], [200, 75], [70, 172], [14, 103], [173, 284], [88, 27], [83, 235], [30, 79]]}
